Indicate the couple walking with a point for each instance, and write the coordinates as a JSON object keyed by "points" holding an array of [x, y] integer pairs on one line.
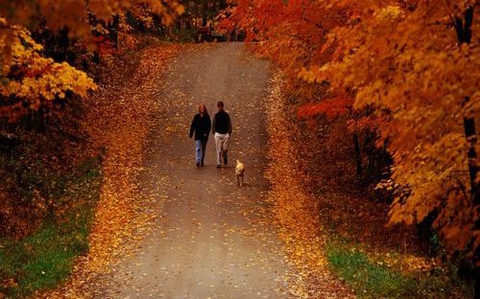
{"points": [[221, 130]]}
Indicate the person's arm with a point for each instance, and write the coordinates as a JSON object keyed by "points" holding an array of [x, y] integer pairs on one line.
{"points": [[213, 124], [209, 125], [229, 125], [192, 126]]}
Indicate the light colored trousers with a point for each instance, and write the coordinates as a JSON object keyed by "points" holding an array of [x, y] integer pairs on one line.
{"points": [[221, 144]]}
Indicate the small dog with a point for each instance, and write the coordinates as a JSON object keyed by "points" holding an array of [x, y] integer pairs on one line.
{"points": [[240, 173]]}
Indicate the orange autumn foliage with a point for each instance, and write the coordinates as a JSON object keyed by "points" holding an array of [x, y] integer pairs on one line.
{"points": [[402, 60], [408, 66], [74, 14], [290, 33], [30, 81]]}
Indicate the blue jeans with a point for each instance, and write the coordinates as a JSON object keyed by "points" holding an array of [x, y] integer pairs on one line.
{"points": [[200, 146]]}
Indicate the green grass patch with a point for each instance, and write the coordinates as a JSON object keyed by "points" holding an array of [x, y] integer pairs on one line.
{"points": [[367, 279], [45, 258], [372, 280]]}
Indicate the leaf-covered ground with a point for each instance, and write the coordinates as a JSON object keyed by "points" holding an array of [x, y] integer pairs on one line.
{"points": [[295, 212], [165, 229], [329, 223], [119, 121], [211, 239]]}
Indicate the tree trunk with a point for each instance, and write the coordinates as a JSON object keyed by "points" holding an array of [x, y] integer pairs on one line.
{"points": [[471, 136], [473, 168], [113, 30], [463, 28]]}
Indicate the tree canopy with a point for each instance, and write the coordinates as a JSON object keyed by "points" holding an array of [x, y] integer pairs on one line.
{"points": [[411, 71], [29, 80]]}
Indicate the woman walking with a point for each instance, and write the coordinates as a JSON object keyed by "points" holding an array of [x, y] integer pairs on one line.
{"points": [[201, 125]]}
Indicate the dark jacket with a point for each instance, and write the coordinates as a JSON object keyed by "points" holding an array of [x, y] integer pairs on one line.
{"points": [[201, 126], [222, 123]]}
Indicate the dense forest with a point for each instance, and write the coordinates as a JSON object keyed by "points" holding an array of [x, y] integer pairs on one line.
{"points": [[400, 78], [403, 75]]}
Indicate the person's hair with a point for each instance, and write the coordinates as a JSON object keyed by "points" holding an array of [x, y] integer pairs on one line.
{"points": [[220, 104], [204, 106]]}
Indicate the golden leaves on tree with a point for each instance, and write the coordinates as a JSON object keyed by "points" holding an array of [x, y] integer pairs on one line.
{"points": [[412, 70], [74, 14], [32, 80], [28, 79], [402, 61]]}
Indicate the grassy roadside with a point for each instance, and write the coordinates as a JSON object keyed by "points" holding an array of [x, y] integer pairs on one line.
{"points": [[375, 261], [363, 276], [46, 257], [374, 278]]}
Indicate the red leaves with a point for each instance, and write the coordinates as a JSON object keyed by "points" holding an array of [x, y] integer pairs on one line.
{"points": [[104, 46], [331, 108]]}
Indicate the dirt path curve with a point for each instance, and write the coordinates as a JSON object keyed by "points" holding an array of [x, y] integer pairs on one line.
{"points": [[212, 239]]}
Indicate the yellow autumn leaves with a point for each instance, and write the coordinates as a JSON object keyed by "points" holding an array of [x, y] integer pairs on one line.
{"points": [[414, 78], [34, 80], [407, 64], [28, 79], [75, 14]]}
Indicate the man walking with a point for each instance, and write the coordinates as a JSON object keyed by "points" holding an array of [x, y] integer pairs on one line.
{"points": [[221, 129]]}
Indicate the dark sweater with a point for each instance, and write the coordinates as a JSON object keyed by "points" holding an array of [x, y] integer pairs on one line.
{"points": [[222, 123], [201, 125]]}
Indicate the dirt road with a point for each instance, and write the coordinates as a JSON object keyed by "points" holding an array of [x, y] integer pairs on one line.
{"points": [[212, 239]]}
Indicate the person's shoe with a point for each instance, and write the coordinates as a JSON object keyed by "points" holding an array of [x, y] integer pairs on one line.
{"points": [[198, 164], [202, 164], [218, 166], [225, 160]]}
